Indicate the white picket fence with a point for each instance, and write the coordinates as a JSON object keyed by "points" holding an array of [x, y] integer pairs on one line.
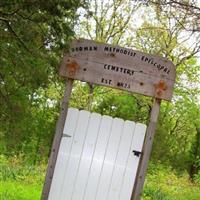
{"points": [[96, 159]]}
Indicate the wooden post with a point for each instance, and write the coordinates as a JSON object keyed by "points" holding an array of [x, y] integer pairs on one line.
{"points": [[142, 169], [90, 98], [57, 139]]}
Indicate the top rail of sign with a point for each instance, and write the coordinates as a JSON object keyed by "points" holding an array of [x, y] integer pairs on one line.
{"points": [[120, 68]]}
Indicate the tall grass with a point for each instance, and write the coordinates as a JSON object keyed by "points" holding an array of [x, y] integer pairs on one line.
{"points": [[21, 181], [163, 183]]}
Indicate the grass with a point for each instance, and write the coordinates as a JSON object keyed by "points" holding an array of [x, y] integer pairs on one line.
{"points": [[12, 190], [20, 181], [163, 183]]}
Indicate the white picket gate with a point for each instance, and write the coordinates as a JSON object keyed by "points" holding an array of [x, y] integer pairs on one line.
{"points": [[96, 159]]}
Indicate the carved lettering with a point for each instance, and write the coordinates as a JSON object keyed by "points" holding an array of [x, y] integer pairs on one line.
{"points": [[119, 69], [155, 64], [123, 85], [105, 48], [106, 81], [85, 48], [123, 51], [120, 50]]}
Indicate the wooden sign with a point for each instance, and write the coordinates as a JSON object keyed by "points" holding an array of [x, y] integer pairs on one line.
{"points": [[120, 68]]}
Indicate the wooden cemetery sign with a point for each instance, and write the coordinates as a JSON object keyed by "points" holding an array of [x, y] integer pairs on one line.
{"points": [[119, 68], [115, 67]]}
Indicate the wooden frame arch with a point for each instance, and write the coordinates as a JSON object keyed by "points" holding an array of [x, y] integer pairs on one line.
{"points": [[120, 68]]}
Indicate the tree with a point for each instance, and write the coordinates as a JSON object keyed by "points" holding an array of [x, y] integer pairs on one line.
{"points": [[176, 130], [190, 8], [107, 21], [33, 35]]}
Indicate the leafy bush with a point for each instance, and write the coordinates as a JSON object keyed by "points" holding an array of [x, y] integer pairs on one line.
{"points": [[197, 178], [154, 194], [163, 183], [16, 169], [18, 180]]}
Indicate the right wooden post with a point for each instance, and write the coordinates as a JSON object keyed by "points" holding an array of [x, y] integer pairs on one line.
{"points": [[146, 152]]}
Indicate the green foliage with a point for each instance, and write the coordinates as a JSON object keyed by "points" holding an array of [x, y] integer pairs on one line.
{"points": [[20, 181], [18, 191], [197, 178], [107, 21], [175, 122], [176, 135], [16, 169], [165, 184], [115, 103], [38, 23], [154, 194], [33, 35], [123, 105]]}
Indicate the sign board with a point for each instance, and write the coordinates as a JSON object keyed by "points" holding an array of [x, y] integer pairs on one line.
{"points": [[98, 157], [120, 68]]}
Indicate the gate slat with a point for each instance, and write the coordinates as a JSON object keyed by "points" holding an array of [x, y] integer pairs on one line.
{"points": [[77, 147], [98, 158], [64, 153], [121, 161], [133, 162], [87, 155], [110, 158]]}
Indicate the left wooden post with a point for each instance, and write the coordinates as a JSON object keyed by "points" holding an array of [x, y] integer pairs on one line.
{"points": [[57, 139]]}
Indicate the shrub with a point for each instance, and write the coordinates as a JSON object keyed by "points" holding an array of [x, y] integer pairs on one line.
{"points": [[14, 169], [163, 183]]}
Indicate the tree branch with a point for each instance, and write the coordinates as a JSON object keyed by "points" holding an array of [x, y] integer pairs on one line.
{"points": [[18, 38]]}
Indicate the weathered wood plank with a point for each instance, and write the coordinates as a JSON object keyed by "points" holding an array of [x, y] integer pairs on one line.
{"points": [[64, 154], [146, 152], [133, 162], [98, 158], [119, 68], [110, 158], [57, 139], [87, 156], [75, 155], [124, 148]]}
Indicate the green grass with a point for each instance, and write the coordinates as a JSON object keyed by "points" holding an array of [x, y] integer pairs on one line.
{"points": [[11, 190], [20, 181], [163, 183]]}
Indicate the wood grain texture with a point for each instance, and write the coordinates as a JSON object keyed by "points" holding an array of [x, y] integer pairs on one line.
{"points": [[120, 68], [57, 140], [146, 151]]}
